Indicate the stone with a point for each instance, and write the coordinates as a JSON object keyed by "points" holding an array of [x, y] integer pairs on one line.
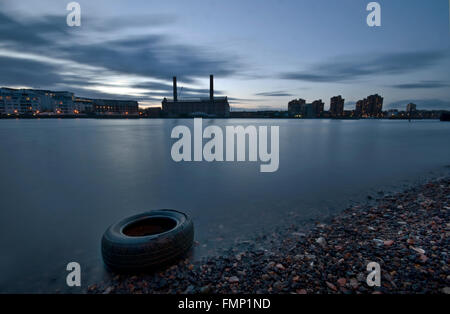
{"points": [[388, 243], [233, 279], [331, 286], [342, 281]]}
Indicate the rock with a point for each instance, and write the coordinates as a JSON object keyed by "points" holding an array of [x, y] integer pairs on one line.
{"points": [[354, 283], [108, 290], [278, 285], [280, 267], [301, 291], [388, 243], [342, 282], [418, 250], [331, 286], [321, 241], [446, 290], [205, 289], [298, 257], [92, 287], [378, 241], [361, 277], [233, 279], [190, 290]]}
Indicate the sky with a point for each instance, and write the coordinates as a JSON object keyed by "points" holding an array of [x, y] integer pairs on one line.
{"points": [[263, 53]]}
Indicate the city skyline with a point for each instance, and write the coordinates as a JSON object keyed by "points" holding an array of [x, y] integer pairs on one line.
{"points": [[313, 50], [27, 103]]}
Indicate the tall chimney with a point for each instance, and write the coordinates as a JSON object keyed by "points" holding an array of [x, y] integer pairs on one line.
{"points": [[211, 87], [175, 95]]}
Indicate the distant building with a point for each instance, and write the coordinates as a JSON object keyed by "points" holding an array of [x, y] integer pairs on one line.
{"points": [[373, 107], [359, 107], [84, 105], [370, 107], [64, 102], [296, 107], [18, 101], [313, 110], [259, 114], [337, 106], [392, 113], [115, 107], [308, 111], [151, 112], [56, 102], [208, 107], [317, 107], [33, 101], [300, 109], [411, 107]]}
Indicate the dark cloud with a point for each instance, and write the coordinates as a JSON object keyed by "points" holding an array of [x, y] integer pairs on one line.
{"points": [[422, 104], [90, 93], [274, 94], [19, 72], [422, 84], [153, 56], [16, 34], [167, 89], [346, 69]]}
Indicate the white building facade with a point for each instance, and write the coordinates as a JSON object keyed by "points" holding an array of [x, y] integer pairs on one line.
{"points": [[30, 101]]}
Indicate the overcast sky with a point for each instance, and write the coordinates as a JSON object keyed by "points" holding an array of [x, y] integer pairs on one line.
{"points": [[263, 53]]}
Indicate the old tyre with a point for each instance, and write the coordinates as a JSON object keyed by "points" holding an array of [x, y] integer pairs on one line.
{"points": [[149, 240]]}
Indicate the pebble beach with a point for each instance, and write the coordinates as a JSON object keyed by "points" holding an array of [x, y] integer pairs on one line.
{"points": [[406, 233]]}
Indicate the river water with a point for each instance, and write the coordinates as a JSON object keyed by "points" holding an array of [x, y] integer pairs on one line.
{"points": [[63, 182]]}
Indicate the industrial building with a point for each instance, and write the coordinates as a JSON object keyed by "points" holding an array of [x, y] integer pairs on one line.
{"points": [[202, 107], [115, 107]]}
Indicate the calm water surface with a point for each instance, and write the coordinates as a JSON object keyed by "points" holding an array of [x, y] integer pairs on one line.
{"points": [[63, 182]]}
